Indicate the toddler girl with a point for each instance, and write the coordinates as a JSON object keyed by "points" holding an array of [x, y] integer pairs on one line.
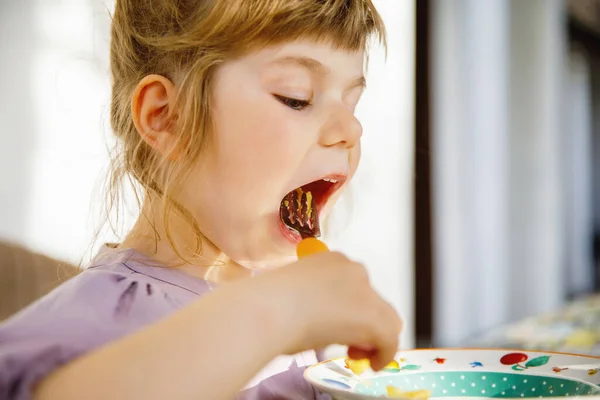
{"points": [[221, 108]]}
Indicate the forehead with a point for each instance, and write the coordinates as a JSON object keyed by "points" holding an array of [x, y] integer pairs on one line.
{"points": [[316, 57]]}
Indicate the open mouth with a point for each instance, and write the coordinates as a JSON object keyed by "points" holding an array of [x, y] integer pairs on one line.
{"points": [[299, 209]]}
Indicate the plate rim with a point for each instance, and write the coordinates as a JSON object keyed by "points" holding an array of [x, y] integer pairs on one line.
{"points": [[478, 349]]}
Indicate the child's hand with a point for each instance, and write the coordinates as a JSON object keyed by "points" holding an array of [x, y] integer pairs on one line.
{"points": [[327, 299]]}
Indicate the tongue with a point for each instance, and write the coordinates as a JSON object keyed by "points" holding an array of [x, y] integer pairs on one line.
{"points": [[299, 211]]}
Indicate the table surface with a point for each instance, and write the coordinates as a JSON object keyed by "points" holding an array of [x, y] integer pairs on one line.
{"points": [[573, 329]]}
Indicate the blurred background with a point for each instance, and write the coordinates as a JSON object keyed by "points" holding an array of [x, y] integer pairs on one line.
{"points": [[477, 204], [507, 173]]}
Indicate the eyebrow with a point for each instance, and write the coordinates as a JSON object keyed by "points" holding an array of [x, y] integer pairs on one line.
{"points": [[315, 66]]}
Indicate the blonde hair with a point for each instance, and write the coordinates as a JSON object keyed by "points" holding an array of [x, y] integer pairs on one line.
{"points": [[186, 41]]}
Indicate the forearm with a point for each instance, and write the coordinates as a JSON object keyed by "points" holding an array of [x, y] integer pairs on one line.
{"points": [[209, 350]]}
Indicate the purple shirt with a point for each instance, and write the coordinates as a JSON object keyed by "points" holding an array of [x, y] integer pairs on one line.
{"points": [[118, 294]]}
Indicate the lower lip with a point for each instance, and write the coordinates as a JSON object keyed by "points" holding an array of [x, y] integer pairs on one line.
{"points": [[290, 236]]}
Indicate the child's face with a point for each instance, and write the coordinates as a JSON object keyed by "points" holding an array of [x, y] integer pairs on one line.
{"points": [[265, 145]]}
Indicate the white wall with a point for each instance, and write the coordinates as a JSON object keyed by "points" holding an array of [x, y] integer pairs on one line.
{"points": [[497, 163], [56, 87], [578, 153], [380, 228], [55, 130], [538, 60], [595, 114], [470, 166]]}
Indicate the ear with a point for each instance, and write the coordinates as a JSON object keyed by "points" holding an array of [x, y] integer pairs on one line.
{"points": [[152, 112]]}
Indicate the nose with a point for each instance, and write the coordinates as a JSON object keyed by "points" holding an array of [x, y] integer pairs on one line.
{"points": [[341, 128]]}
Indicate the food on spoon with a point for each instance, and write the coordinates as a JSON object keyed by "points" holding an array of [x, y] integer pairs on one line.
{"points": [[299, 213], [396, 393], [360, 366]]}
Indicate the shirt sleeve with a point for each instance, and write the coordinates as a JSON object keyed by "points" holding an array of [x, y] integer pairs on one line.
{"points": [[83, 314]]}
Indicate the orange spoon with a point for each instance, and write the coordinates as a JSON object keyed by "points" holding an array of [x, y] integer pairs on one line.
{"points": [[310, 245]]}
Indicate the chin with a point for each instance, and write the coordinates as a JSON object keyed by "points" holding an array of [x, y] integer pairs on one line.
{"points": [[268, 264], [280, 254], [272, 251]]}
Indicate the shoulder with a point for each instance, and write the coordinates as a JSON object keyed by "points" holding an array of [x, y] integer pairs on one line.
{"points": [[111, 293], [92, 309]]}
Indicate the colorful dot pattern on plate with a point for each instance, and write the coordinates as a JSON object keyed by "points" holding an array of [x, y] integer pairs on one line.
{"points": [[475, 374], [479, 384]]}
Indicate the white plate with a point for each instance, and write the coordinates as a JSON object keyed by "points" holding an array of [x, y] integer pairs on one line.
{"points": [[466, 373]]}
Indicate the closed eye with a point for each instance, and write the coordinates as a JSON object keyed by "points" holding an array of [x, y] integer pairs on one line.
{"points": [[294, 104]]}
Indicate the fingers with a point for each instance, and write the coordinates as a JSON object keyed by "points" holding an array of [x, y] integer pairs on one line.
{"points": [[381, 324], [387, 347], [386, 330], [361, 352], [355, 314], [386, 344], [384, 355]]}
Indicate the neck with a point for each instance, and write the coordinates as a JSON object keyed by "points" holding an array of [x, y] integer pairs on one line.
{"points": [[180, 247]]}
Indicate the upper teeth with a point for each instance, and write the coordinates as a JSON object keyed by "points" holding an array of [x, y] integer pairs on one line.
{"points": [[330, 180]]}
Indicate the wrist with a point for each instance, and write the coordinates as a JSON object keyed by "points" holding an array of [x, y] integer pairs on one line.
{"points": [[277, 318]]}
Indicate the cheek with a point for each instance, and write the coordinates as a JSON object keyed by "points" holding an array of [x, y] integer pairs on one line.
{"points": [[258, 149], [259, 136], [354, 158]]}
